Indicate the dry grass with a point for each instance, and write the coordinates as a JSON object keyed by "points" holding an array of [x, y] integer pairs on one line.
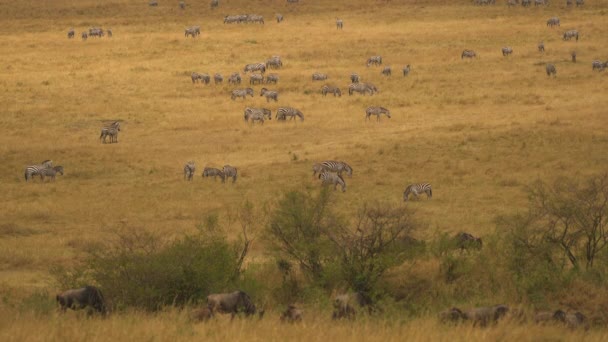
{"points": [[478, 130]]}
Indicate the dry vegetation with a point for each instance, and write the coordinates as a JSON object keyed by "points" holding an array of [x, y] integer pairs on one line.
{"points": [[478, 130]]}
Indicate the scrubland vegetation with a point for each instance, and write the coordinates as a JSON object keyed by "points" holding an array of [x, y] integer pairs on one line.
{"points": [[515, 157]]}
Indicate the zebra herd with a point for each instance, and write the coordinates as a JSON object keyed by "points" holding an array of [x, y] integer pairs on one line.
{"points": [[244, 18], [44, 169], [526, 3], [93, 32], [227, 172]]}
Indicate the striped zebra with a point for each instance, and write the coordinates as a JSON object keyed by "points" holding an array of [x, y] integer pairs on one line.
{"points": [[507, 50], [328, 178], [266, 113], [468, 54], [418, 189], [272, 78], [229, 171], [571, 34], [526, 3], [580, 3], [375, 60], [386, 71], [284, 112], [269, 94], [33, 170], [153, 3], [51, 172], [337, 167], [110, 130], [317, 168], [189, 170], [84, 36], [550, 68], [234, 78], [254, 18], [331, 89], [597, 64], [339, 23], [256, 78], [512, 3], [95, 32], [261, 67], [241, 93], [204, 78], [71, 33], [190, 31], [218, 78], [361, 88], [213, 172], [377, 111], [214, 3], [540, 2], [317, 76], [274, 62], [231, 19], [554, 21], [406, 70], [541, 46], [256, 116], [279, 17], [354, 78]]}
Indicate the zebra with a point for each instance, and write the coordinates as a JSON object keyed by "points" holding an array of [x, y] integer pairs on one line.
{"points": [[511, 3], [526, 3], [190, 31], [317, 76], [553, 21], [50, 172], [272, 78], [274, 62], [84, 36], [218, 78], [214, 3], [375, 60], [339, 23], [182, 5], [507, 50], [337, 167], [189, 170], [234, 78], [331, 89], [360, 88], [71, 33], [573, 55], [468, 54], [377, 111], [230, 19], [580, 3], [386, 71], [95, 32], [241, 93], [267, 113], [317, 168], [328, 178], [33, 170], [550, 68], [204, 78], [153, 3], [571, 34], [110, 130], [279, 17], [254, 18], [255, 116], [354, 78], [284, 112], [568, 3], [541, 46], [213, 172], [261, 67], [540, 2], [406, 70], [597, 64], [269, 94], [417, 189], [229, 171], [256, 78]]}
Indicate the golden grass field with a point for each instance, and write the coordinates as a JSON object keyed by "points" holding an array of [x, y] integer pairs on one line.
{"points": [[478, 130]]}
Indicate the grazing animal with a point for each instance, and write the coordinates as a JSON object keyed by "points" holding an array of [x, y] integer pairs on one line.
{"points": [[453, 315], [241, 93], [254, 18], [84, 36], [51, 172], [218, 78], [274, 62], [486, 315], [468, 54], [231, 303], [190, 31], [464, 241], [571, 34], [551, 70], [182, 5], [361, 88], [279, 17], [354, 78], [543, 317], [255, 117], [261, 67], [375, 60], [568, 2], [554, 21], [270, 94], [540, 2], [541, 47], [377, 111], [331, 89], [284, 112], [511, 3], [317, 76], [507, 50], [110, 130], [386, 71], [406, 70], [317, 168], [95, 32], [339, 23], [229, 171], [213, 172], [202, 314], [33, 170], [335, 166], [573, 55], [234, 78], [204, 78], [88, 296], [214, 4], [598, 65], [417, 189], [329, 178], [71, 33], [109, 31], [189, 170], [266, 113], [153, 3], [576, 320], [256, 78], [291, 315], [272, 78], [526, 3], [580, 3]]}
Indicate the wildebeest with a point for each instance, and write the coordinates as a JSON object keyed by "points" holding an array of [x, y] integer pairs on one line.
{"points": [[557, 316], [486, 315], [231, 303], [291, 315], [88, 296], [464, 241], [551, 70]]}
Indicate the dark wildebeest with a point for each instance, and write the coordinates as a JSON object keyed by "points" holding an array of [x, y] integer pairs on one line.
{"points": [[485, 315], [464, 241], [231, 303], [81, 298], [291, 315]]}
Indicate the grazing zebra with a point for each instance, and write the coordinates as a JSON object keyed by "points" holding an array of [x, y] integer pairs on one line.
{"points": [[230, 19], [33, 170], [272, 78], [361, 88], [386, 71], [213, 172], [331, 89], [417, 189], [354, 78], [50, 172], [110, 130], [571, 34], [468, 54], [284, 112], [406, 70], [84, 36], [267, 113], [71, 33], [317, 168], [229, 171], [337, 167], [254, 18], [204, 78], [241, 93], [553, 21], [190, 31], [234, 78], [189, 170], [279, 17], [218, 78], [261, 67], [377, 111], [254, 117], [580, 3], [375, 60], [541, 47], [526, 3], [256, 78], [551, 69], [328, 178], [274, 62], [540, 2], [214, 3], [317, 76], [339, 23], [269, 94], [598, 65], [95, 32], [507, 50]]}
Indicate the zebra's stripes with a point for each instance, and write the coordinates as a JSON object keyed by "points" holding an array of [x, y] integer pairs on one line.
{"points": [[597, 64], [110, 130], [512, 3], [204, 78], [254, 117], [213, 172], [554, 21], [541, 46], [33, 170], [274, 62], [571, 34], [418, 189], [406, 70], [272, 78], [361, 88], [241, 93], [234, 78], [190, 31], [526, 3], [261, 67], [292, 113], [551, 70], [189, 170], [386, 71], [269, 94], [336, 166], [256, 78], [331, 89], [71, 33], [251, 112], [377, 111], [507, 50], [50, 172], [229, 171], [279, 17], [540, 2], [317, 76], [468, 54], [375, 60], [354, 78], [329, 178], [96, 32], [218, 78], [153, 3], [339, 23]]}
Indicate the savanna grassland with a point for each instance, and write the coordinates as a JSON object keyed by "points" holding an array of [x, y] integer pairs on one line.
{"points": [[478, 130]]}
